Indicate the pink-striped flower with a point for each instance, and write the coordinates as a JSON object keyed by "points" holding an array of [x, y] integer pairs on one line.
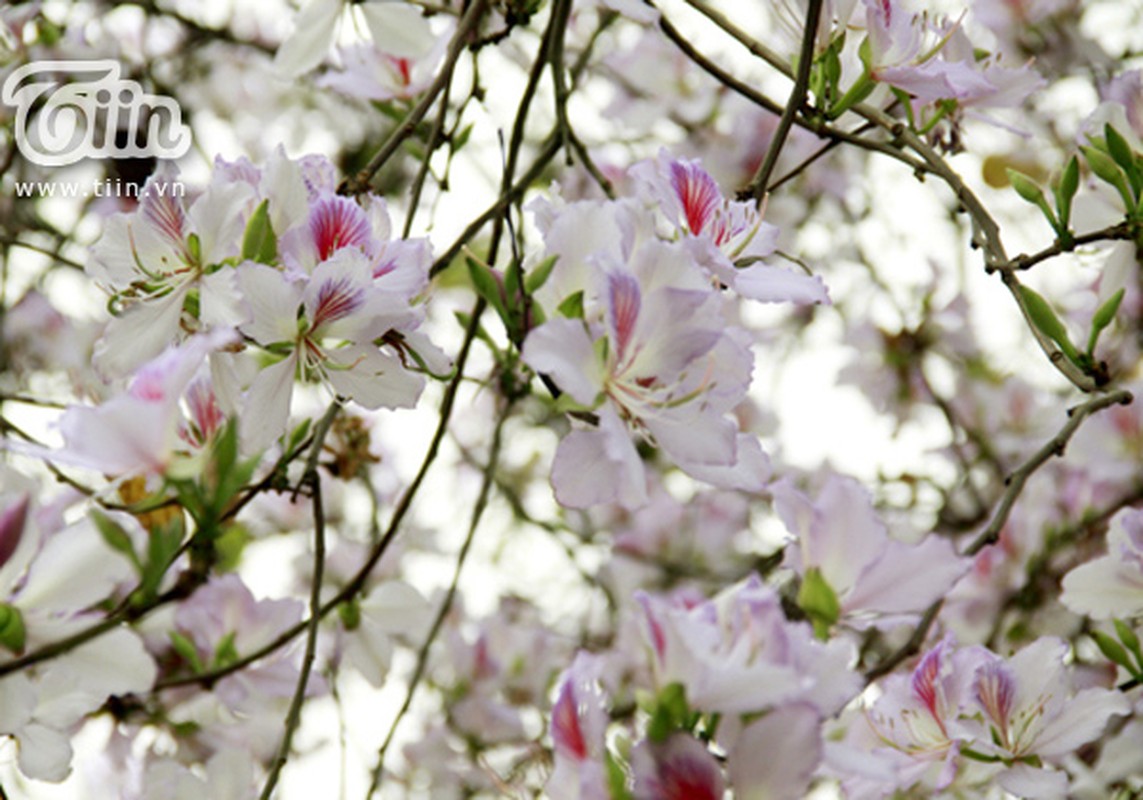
{"points": [[727, 237]]}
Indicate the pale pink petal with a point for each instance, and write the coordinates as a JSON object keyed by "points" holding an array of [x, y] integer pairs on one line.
{"points": [[1026, 781], [273, 301], [775, 757], [1104, 588], [598, 466], [702, 439], [267, 408], [45, 753], [372, 378], [140, 333], [561, 349], [907, 577], [1083, 720], [771, 284], [398, 29], [749, 472], [307, 45]]}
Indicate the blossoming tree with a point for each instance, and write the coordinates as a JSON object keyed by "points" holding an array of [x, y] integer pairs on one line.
{"points": [[585, 399]]}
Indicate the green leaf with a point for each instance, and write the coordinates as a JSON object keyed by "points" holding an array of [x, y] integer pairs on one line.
{"points": [[350, 613], [1066, 191], [259, 242], [1045, 319], [1103, 317], [226, 471], [539, 275], [230, 545], [1025, 186], [13, 634], [225, 653], [162, 547], [818, 599], [117, 538], [461, 139], [670, 713], [1129, 639], [1106, 312], [1121, 153], [1108, 171], [186, 650], [1112, 650], [194, 247], [572, 306], [486, 284], [616, 778], [1030, 191]]}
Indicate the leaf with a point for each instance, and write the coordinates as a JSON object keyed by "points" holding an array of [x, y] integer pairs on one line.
{"points": [[539, 274], [461, 139], [230, 545], [572, 306], [670, 713], [1129, 639], [486, 284], [162, 547], [1030, 191], [1108, 171], [1112, 650], [616, 778], [225, 652], [1045, 319], [13, 634], [117, 538], [1121, 153], [1066, 191], [259, 242], [1106, 312], [186, 650], [818, 599]]}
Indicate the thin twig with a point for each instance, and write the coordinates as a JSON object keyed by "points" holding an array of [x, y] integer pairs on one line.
{"points": [[294, 714], [423, 653], [757, 186], [1054, 447], [359, 183], [359, 579], [1124, 230], [910, 648]]}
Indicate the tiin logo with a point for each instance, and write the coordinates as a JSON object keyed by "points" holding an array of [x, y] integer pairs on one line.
{"points": [[110, 116]]}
